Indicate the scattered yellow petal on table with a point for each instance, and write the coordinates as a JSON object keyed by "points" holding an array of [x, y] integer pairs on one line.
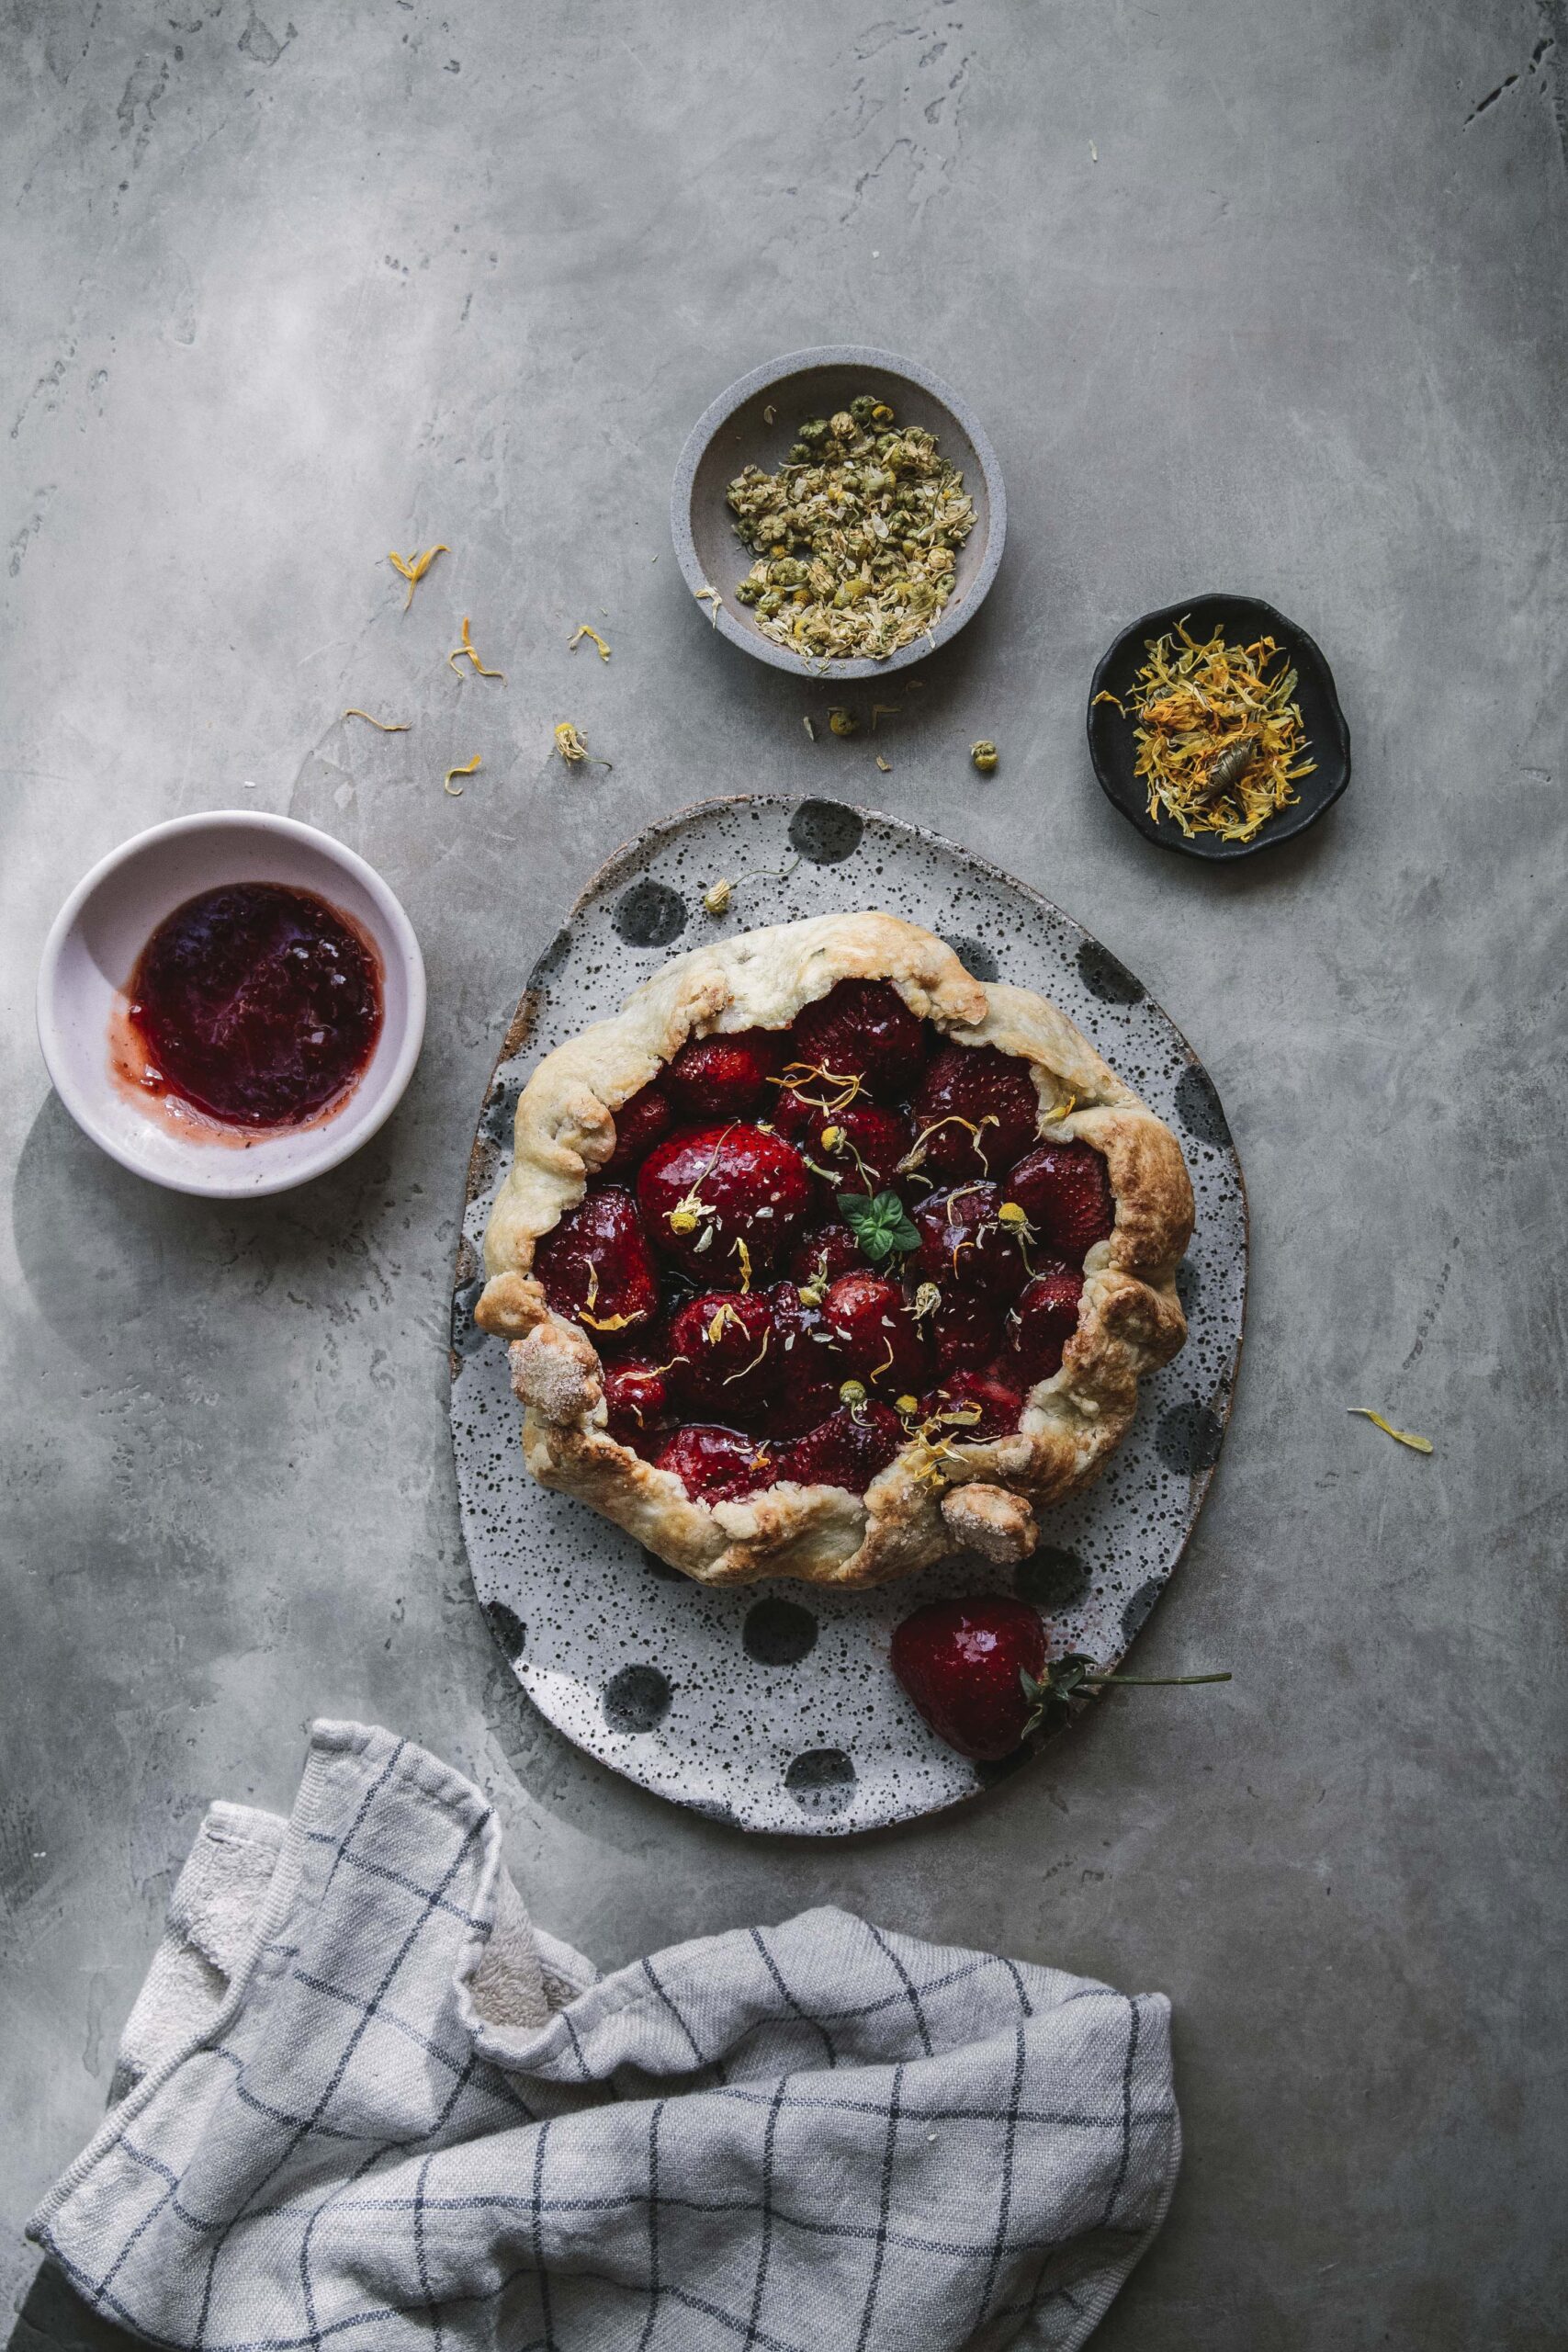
{"points": [[465, 652], [1402, 1437], [572, 642], [886, 766], [447, 784], [386, 726], [413, 568]]}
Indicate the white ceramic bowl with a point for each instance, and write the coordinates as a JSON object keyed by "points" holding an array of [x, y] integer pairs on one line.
{"points": [[91, 954]]}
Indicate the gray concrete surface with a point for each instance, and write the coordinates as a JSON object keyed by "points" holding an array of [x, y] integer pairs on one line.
{"points": [[1248, 295]]}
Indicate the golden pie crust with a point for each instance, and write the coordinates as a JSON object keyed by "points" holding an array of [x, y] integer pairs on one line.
{"points": [[983, 1497]]}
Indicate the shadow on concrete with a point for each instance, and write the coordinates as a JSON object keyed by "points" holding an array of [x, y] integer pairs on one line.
{"points": [[54, 2319], [100, 1248]]}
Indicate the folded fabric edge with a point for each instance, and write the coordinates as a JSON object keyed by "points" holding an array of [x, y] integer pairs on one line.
{"points": [[1098, 2302], [190, 1998]]}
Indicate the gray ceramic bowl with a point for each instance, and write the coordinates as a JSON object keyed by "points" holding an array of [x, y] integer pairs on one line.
{"points": [[734, 433]]}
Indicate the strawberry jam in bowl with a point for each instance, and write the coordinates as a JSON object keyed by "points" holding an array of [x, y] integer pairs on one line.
{"points": [[231, 1004], [825, 1259], [255, 1006]]}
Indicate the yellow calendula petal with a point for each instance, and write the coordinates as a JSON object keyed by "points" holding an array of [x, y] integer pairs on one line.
{"points": [[386, 726], [574, 641], [455, 792], [413, 568], [465, 652], [1401, 1437]]}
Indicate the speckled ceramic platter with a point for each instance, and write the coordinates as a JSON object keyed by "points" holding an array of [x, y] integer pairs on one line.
{"points": [[772, 1706]]}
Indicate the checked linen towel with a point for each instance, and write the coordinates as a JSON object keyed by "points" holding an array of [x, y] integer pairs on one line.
{"points": [[362, 2103]]}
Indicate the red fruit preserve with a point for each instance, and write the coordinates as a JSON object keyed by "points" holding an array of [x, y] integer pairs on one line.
{"points": [[258, 1004]]}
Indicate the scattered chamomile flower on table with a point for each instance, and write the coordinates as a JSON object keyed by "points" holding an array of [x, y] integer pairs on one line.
{"points": [[572, 745], [985, 755]]}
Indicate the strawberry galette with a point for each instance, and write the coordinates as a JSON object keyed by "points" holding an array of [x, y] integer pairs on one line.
{"points": [[823, 1259]]}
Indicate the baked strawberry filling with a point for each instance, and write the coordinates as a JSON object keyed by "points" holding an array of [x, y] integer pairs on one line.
{"points": [[724, 1078], [596, 1265], [810, 1243], [1064, 1192], [718, 1200], [862, 1033], [646, 1120], [1043, 1320], [975, 1111]]}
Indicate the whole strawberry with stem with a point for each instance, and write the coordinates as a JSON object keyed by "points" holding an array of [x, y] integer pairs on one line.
{"points": [[962, 1663], [976, 1670]]}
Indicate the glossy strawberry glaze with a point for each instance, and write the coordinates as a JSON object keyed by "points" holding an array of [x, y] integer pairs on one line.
{"points": [[258, 1004], [759, 1341]]}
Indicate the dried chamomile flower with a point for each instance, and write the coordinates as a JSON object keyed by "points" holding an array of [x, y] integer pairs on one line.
{"points": [[856, 535], [841, 721], [985, 755], [573, 747]]}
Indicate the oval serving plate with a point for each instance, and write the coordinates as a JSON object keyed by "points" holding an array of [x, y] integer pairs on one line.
{"points": [[771, 1706]]}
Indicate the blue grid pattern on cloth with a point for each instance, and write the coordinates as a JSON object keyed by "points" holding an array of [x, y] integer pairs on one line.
{"points": [[817, 2134]]}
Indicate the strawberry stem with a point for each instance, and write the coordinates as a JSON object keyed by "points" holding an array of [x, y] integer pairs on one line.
{"points": [[1157, 1681]]}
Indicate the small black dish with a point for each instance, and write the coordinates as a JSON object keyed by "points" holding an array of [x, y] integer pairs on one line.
{"points": [[1112, 749]]}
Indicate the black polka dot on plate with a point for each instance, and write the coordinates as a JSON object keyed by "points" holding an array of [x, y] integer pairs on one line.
{"points": [[508, 1628], [826, 831], [822, 1781], [1199, 1108], [1138, 1608], [1187, 1438], [636, 1699], [1106, 976], [779, 1632], [1051, 1578], [1189, 1284], [650, 915], [975, 955], [712, 1809]]}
